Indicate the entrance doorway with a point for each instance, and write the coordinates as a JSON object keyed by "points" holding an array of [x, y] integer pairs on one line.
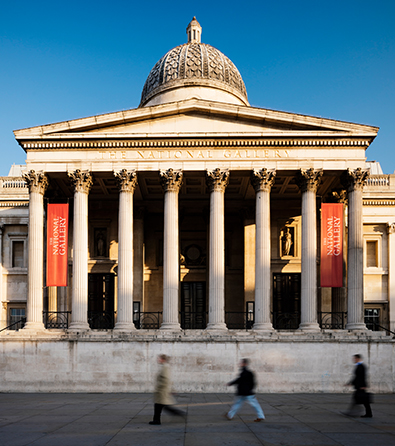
{"points": [[286, 301], [193, 305], [101, 301]]}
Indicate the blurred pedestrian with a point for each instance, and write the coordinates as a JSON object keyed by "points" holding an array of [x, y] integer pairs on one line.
{"points": [[163, 398], [360, 396], [245, 385]]}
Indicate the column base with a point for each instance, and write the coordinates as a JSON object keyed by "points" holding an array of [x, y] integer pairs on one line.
{"points": [[356, 326], [79, 326], [263, 326], [170, 326], [219, 326], [34, 326], [124, 326], [309, 326]]}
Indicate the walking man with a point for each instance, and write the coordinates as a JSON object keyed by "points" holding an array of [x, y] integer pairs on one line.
{"points": [[245, 385], [359, 382], [163, 399]]}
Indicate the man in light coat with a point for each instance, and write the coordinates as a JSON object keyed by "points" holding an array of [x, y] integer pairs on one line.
{"points": [[163, 399]]}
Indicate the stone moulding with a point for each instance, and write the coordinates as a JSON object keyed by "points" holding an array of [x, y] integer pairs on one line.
{"points": [[193, 143]]}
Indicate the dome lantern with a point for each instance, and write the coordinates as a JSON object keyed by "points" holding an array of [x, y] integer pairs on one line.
{"points": [[194, 31]]}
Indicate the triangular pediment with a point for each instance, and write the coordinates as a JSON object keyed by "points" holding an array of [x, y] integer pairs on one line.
{"points": [[195, 118]]}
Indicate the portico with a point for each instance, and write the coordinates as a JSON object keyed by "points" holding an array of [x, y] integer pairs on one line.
{"points": [[193, 159]]}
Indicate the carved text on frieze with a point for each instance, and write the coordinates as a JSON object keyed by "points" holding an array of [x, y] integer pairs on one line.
{"points": [[226, 154]]}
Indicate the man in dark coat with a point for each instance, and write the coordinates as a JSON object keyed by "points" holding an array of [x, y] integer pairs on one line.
{"points": [[359, 381], [245, 385]]}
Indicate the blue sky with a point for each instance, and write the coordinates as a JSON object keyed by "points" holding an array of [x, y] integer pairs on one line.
{"points": [[66, 60]]}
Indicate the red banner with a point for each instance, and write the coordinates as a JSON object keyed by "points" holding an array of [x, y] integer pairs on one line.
{"points": [[332, 245], [57, 252]]}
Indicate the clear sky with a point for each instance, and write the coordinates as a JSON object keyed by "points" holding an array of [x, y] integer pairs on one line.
{"points": [[66, 60]]}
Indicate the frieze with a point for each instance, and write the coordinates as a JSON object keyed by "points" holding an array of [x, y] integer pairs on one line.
{"points": [[198, 155]]}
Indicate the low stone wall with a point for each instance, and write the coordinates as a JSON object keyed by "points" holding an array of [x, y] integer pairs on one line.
{"points": [[200, 362]]}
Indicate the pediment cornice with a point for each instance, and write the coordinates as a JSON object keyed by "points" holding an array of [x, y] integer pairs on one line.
{"points": [[290, 124]]}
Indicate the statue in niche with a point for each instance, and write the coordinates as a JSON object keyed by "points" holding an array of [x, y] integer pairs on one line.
{"points": [[287, 242], [100, 243]]}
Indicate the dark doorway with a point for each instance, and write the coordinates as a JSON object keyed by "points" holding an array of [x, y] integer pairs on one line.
{"points": [[101, 301], [193, 305], [286, 301]]}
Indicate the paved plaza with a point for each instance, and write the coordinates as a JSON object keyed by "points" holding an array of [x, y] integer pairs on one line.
{"points": [[122, 419]]}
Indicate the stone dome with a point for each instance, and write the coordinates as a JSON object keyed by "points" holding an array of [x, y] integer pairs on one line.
{"points": [[194, 69]]}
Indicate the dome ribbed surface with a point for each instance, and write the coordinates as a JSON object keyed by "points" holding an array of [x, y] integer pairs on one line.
{"points": [[193, 64]]}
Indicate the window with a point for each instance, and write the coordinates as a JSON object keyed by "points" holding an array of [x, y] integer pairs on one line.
{"points": [[372, 318], [17, 317], [371, 254], [18, 254]]}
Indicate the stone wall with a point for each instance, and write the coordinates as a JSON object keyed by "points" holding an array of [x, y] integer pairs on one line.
{"points": [[103, 362]]}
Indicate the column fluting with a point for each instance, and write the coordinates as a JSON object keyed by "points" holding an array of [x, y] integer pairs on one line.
{"points": [[127, 181], [354, 181], [171, 181], [37, 183], [308, 181], [262, 180], [82, 182], [217, 180]]}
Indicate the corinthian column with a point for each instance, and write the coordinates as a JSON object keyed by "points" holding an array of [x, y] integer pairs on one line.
{"points": [[217, 180], [308, 181], [171, 181], [262, 180], [37, 183], [127, 182], [354, 181], [82, 182]]}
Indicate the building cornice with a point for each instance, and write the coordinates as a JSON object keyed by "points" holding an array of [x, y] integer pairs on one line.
{"points": [[378, 202], [193, 143]]}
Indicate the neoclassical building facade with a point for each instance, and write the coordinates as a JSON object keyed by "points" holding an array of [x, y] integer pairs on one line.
{"points": [[195, 227]]}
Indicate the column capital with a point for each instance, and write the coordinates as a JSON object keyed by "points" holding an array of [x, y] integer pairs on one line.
{"points": [[309, 179], [36, 181], [127, 180], [217, 179], [262, 180], [81, 180], [354, 180], [391, 228], [340, 196], [171, 179]]}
